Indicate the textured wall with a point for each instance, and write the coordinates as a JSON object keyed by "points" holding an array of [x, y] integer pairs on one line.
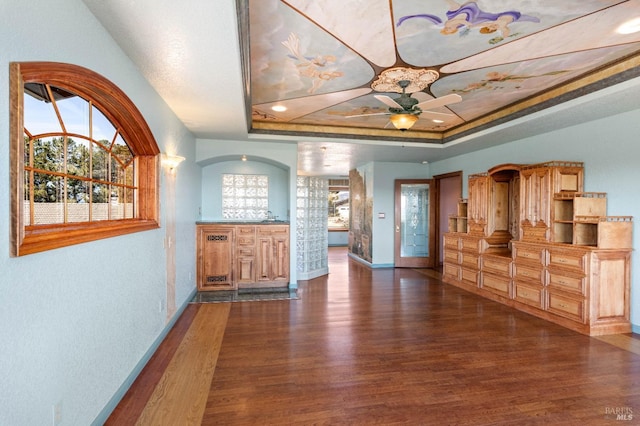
{"points": [[76, 321]]}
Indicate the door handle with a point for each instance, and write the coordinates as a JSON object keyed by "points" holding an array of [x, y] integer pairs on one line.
{"points": [[397, 228]]}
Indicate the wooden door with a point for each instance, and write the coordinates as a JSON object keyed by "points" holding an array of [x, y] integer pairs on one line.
{"points": [[215, 253], [415, 222], [477, 207], [280, 260]]}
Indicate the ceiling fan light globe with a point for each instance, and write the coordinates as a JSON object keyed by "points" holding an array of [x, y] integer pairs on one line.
{"points": [[403, 121]]}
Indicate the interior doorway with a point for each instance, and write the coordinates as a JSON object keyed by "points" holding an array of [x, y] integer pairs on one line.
{"points": [[449, 192], [415, 223]]}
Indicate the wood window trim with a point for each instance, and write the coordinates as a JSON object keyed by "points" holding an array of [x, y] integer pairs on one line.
{"points": [[118, 108]]}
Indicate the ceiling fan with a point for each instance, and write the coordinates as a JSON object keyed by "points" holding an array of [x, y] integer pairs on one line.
{"points": [[404, 111]]}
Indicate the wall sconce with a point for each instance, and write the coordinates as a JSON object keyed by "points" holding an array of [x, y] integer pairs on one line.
{"points": [[403, 121], [171, 162]]}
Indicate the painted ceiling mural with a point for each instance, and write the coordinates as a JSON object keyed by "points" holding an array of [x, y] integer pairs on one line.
{"points": [[316, 66]]}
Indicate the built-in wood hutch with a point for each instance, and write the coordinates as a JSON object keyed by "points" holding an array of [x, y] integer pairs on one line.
{"points": [[528, 236], [232, 256]]}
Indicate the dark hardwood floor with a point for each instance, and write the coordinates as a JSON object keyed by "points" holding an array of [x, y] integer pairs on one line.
{"points": [[386, 346]]}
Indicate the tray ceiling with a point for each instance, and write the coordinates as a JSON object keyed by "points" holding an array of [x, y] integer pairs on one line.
{"points": [[318, 60]]}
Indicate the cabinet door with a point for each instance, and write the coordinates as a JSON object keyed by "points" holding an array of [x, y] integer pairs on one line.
{"points": [[245, 261], [273, 259], [535, 195], [265, 259], [280, 259], [478, 199], [215, 253], [245, 270]]}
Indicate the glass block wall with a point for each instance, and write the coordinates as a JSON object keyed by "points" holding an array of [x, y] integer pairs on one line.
{"points": [[245, 196], [312, 227]]}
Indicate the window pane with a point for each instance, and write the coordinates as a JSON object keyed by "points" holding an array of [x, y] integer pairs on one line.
{"points": [[77, 191], [39, 116], [48, 199], [77, 200], [122, 151], [115, 204], [129, 174], [100, 165], [48, 154], [100, 197], [78, 157], [129, 203], [27, 152], [117, 171], [102, 129], [75, 115], [26, 204]]}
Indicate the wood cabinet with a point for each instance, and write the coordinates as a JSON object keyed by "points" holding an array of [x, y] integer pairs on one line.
{"points": [[245, 251], [215, 257], [568, 262], [477, 203], [538, 184], [231, 256], [273, 255], [458, 221]]}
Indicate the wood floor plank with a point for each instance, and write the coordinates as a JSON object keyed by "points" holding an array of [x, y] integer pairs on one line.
{"points": [[367, 346], [623, 341], [396, 346], [180, 396], [132, 404]]}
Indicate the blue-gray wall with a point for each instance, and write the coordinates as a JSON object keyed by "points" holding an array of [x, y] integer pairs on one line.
{"points": [[77, 321], [212, 186]]}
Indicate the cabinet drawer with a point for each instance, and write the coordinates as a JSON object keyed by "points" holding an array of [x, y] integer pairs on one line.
{"points": [[451, 255], [500, 266], [246, 240], [566, 306], [470, 276], [470, 260], [529, 294], [566, 282], [527, 253], [246, 251], [496, 284], [451, 271], [451, 242], [567, 259], [273, 229], [470, 244], [246, 230], [528, 273]]}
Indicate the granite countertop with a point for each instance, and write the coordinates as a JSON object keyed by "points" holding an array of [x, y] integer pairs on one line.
{"points": [[243, 222]]}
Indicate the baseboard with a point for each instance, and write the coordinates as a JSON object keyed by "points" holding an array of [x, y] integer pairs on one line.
{"points": [[306, 276], [369, 264], [122, 390]]}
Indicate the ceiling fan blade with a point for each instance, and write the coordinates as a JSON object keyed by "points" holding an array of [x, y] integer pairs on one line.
{"points": [[437, 115], [441, 101], [366, 115], [388, 101]]}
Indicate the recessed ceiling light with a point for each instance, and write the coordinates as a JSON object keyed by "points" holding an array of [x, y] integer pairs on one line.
{"points": [[279, 108], [437, 121], [629, 27]]}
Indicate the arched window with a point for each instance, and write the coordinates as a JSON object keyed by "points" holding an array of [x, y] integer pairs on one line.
{"points": [[84, 161]]}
